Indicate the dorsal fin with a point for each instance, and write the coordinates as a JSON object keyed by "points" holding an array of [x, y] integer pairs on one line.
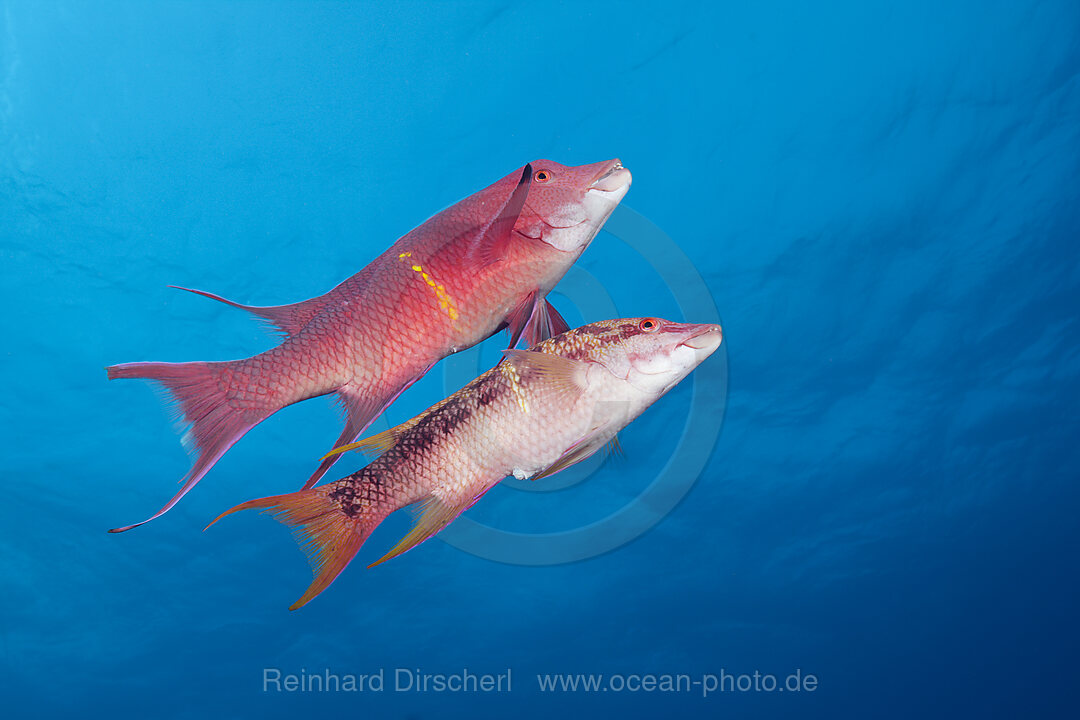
{"points": [[289, 319]]}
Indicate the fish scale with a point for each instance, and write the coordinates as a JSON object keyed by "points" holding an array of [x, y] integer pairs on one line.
{"points": [[535, 414], [483, 264]]}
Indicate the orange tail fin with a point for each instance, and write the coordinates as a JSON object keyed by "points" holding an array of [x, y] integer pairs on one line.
{"points": [[328, 536]]}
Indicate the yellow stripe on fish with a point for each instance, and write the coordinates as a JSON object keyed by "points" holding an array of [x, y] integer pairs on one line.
{"points": [[445, 301], [514, 377], [535, 414]]}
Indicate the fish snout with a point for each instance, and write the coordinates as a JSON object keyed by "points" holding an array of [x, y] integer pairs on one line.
{"points": [[704, 337], [612, 177]]}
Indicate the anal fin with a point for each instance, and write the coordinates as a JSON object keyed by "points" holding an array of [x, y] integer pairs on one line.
{"points": [[361, 409], [434, 514]]}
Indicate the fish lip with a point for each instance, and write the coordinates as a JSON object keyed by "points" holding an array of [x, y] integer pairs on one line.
{"points": [[612, 177], [704, 337]]}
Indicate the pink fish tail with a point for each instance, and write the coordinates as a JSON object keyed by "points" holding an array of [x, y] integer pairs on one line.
{"points": [[328, 535], [204, 398]]}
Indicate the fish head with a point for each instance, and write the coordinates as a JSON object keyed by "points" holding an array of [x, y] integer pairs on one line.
{"points": [[567, 206], [650, 353]]}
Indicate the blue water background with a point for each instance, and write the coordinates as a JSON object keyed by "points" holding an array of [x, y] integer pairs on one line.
{"points": [[881, 197]]}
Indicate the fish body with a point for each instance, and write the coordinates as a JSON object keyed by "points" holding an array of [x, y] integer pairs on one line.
{"points": [[536, 413], [481, 265]]}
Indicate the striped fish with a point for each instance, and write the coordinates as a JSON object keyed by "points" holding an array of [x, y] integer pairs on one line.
{"points": [[536, 413]]}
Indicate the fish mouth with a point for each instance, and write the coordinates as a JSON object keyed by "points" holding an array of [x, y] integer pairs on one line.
{"points": [[705, 337], [612, 177]]}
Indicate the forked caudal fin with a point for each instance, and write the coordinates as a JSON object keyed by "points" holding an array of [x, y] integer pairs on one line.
{"points": [[212, 424], [330, 537]]}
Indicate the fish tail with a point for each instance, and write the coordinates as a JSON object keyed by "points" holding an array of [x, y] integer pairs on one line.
{"points": [[329, 536], [204, 394]]}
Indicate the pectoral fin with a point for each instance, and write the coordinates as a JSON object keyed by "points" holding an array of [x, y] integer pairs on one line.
{"points": [[562, 373], [494, 237]]}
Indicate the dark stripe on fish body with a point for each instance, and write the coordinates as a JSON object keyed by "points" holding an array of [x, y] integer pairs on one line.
{"points": [[363, 488], [578, 353], [489, 390], [438, 424], [366, 487], [442, 423]]}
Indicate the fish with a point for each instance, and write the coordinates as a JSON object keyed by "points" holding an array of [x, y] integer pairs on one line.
{"points": [[536, 413], [482, 265]]}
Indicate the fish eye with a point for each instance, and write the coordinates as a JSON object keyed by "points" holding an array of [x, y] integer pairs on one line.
{"points": [[542, 176], [649, 324]]}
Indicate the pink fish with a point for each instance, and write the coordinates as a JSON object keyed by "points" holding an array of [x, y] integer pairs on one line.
{"points": [[483, 264], [541, 411]]}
